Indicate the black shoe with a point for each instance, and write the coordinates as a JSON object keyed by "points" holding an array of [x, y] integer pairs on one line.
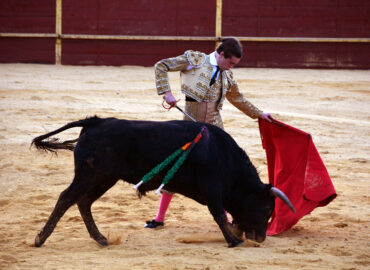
{"points": [[153, 224]]}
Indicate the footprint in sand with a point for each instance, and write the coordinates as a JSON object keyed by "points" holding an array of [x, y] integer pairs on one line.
{"points": [[8, 259], [4, 203], [330, 215], [340, 225], [6, 165], [70, 99], [290, 250], [363, 259], [340, 251], [40, 197], [359, 160]]}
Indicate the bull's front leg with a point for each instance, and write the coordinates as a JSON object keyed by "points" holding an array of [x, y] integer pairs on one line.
{"points": [[214, 203], [230, 238]]}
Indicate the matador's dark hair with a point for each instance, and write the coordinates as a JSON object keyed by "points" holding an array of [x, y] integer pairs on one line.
{"points": [[230, 47]]}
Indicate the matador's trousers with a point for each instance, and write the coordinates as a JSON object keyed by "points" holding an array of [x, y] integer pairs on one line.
{"points": [[205, 112]]}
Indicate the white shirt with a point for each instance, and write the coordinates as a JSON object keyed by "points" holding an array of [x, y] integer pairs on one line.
{"points": [[213, 60]]}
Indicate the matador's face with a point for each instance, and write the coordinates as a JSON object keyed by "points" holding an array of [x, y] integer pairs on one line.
{"points": [[226, 63]]}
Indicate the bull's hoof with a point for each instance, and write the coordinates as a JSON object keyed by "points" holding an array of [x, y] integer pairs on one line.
{"points": [[235, 243], [38, 242], [102, 241], [235, 230]]}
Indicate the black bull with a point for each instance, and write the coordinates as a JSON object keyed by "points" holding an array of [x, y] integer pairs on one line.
{"points": [[217, 172]]}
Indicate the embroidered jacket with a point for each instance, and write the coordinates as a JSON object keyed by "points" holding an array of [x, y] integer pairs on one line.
{"points": [[196, 70]]}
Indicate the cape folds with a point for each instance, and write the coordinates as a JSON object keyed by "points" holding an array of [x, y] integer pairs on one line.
{"points": [[295, 167]]}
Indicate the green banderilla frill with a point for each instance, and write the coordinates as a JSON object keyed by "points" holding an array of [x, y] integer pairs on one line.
{"points": [[161, 166], [181, 154]]}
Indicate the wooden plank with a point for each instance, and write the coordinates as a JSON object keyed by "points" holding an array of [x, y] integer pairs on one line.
{"points": [[20, 8], [27, 50], [75, 22], [113, 52], [303, 55], [305, 3], [131, 17], [291, 55], [353, 55], [240, 26], [256, 54], [27, 17], [27, 24], [354, 21], [297, 26], [351, 3], [312, 18], [196, 18]]}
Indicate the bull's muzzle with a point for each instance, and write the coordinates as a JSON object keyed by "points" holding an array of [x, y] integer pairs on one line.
{"points": [[252, 235]]}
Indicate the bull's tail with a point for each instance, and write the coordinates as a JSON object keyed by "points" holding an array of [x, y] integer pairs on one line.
{"points": [[54, 144]]}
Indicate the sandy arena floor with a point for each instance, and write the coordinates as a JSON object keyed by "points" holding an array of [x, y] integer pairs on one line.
{"points": [[332, 105]]}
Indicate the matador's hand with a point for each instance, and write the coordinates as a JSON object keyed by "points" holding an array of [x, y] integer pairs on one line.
{"points": [[267, 116], [170, 99]]}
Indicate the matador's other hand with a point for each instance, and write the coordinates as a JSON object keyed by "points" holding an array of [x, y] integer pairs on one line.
{"points": [[267, 116]]}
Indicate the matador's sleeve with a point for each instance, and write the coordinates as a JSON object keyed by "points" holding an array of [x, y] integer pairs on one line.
{"points": [[190, 59], [162, 67], [238, 100]]}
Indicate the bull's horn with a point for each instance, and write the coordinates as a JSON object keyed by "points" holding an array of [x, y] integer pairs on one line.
{"points": [[278, 193]]}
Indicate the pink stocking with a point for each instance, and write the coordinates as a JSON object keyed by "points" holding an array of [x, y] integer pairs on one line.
{"points": [[163, 206]]}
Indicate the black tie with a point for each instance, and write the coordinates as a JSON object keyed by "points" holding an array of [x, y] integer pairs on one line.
{"points": [[213, 79]]}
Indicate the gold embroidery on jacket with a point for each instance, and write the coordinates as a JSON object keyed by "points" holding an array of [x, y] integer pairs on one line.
{"points": [[196, 59]]}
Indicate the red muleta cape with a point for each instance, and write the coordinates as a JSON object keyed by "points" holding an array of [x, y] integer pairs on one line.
{"points": [[296, 168]]}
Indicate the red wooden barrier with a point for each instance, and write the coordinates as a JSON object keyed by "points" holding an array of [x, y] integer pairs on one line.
{"points": [[309, 18], [260, 23], [21, 16]]}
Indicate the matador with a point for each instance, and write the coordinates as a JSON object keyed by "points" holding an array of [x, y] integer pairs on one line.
{"points": [[206, 80]]}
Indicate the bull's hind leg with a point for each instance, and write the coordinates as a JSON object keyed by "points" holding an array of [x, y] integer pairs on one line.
{"points": [[84, 205], [66, 199]]}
